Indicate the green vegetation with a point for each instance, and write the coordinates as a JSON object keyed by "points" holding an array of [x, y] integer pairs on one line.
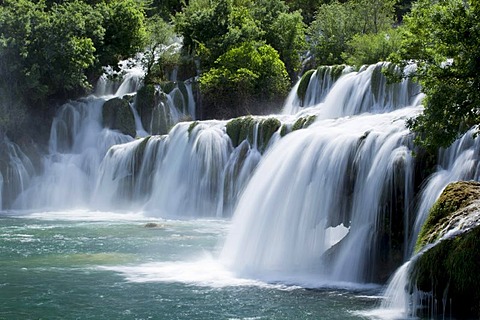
{"points": [[251, 70], [342, 28], [454, 197], [246, 53], [443, 38], [303, 85], [242, 128], [450, 268]]}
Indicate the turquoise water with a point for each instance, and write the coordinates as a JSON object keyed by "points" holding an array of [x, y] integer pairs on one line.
{"points": [[93, 265]]}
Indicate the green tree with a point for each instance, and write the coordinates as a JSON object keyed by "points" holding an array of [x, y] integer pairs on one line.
{"points": [[125, 31], [329, 34], [336, 24], [251, 71], [371, 48], [160, 51], [307, 8], [443, 37]]}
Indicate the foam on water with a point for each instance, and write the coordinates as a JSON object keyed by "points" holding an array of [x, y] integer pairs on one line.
{"points": [[205, 272]]}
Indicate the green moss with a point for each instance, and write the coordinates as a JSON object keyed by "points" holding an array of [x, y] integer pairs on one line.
{"points": [[267, 128], [337, 71], [303, 85], [284, 130], [240, 129], [454, 197], [117, 115], [191, 127], [303, 122], [450, 270]]}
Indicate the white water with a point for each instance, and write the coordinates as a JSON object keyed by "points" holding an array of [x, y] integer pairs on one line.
{"points": [[307, 211], [458, 162]]}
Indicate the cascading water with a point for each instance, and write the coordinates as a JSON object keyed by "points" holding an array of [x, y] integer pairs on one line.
{"points": [[338, 173], [313, 209], [459, 162], [16, 171]]}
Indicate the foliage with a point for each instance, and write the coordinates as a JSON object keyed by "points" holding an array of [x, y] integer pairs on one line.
{"points": [[372, 47], [50, 52], [287, 37], [336, 24], [125, 31], [443, 37], [160, 52], [251, 70], [211, 28], [306, 7]]}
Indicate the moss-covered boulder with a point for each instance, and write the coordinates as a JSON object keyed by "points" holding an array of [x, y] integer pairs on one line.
{"points": [[449, 270], [243, 128], [303, 85], [117, 115], [304, 122], [146, 101], [448, 206], [240, 129]]}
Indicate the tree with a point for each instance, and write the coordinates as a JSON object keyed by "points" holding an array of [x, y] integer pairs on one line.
{"points": [[306, 7], [125, 31], [371, 48], [336, 24], [160, 50], [49, 52], [329, 34], [443, 37], [211, 28], [250, 71]]}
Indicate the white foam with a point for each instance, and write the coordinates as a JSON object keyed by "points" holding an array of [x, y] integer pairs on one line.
{"points": [[84, 215], [206, 272]]}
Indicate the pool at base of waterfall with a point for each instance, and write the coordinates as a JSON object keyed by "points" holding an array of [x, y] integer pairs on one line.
{"points": [[101, 265]]}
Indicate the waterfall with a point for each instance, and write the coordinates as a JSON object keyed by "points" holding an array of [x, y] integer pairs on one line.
{"points": [[314, 192], [458, 162], [16, 171], [338, 173]]}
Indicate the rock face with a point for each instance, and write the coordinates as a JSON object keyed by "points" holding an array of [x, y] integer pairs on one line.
{"points": [[449, 270], [117, 115]]}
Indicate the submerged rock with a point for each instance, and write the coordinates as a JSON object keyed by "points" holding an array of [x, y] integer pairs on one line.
{"points": [[449, 271], [154, 225]]}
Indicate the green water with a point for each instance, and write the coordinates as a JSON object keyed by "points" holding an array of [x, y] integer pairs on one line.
{"points": [[107, 266]]}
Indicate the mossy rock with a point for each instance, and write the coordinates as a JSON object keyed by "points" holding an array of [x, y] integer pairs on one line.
{"points": [[117, 115], [337, 71], [243, 128], [303, 122], [191, 127], [160, 123], [145, 103], [454, 197], [449, 270], [240, 129], [266, 130], [303, 85]]}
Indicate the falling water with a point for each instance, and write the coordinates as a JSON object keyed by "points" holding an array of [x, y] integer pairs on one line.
{"points": [[309, 206], [458, 162], [338, 173]]}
